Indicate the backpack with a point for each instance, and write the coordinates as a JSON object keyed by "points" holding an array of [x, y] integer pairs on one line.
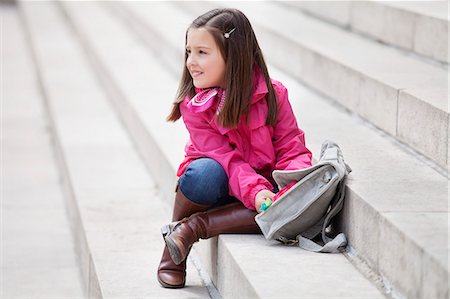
{"points": [[306, 209]]}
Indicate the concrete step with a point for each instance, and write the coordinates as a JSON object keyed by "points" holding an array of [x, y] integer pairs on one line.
{"points": [[420, 27], [116, 209], [397, 209], [37, 248], [146, 87], [391, 90]]}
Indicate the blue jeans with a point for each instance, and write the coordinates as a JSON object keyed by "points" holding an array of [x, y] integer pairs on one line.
{"points": [[205, 182]]}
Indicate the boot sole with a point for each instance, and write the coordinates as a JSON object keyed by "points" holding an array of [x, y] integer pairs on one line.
{"points": [[170, 286], [173, 251]]}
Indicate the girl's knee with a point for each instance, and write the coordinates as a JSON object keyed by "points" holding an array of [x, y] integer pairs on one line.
{"points": [[204, 182]]}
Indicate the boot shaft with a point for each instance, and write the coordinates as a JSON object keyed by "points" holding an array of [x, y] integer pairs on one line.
{"points": [[183, 207], [234, 218], [229, 219]]}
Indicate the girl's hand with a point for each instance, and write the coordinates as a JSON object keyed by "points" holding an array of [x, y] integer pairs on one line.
{"points": [[261, 197]]}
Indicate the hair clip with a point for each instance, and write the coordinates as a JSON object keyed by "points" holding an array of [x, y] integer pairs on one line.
{"points": [[227, 34]]}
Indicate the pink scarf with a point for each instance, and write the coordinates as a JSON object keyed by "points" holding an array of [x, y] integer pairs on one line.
{"points": [[205, 98]]}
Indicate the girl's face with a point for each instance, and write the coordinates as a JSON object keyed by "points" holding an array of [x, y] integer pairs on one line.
{"points": [[204, 62]]}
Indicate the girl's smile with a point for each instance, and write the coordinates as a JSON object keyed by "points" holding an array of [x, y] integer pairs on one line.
{"points": [[195, 74], [204, 59]]}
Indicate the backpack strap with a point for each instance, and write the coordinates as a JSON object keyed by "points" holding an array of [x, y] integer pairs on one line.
{"points": [[331, 245], [336, 207]]}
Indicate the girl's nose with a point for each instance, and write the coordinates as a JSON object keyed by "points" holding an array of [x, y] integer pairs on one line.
{"points": [[190, 61]]}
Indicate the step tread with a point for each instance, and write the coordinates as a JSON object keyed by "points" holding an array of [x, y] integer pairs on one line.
{"points": [[257, 258], [403, 24], [435, 9]]}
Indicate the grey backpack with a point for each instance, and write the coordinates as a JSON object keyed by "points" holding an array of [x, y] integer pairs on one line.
{"points": [[305, 210]]}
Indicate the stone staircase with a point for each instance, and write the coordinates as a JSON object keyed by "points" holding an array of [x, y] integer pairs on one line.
{"points": [[395, 90], [418, 27], [109, 71]]}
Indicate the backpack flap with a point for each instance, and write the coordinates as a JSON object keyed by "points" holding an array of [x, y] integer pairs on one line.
{"points": [[285, 177], [301, 207]]}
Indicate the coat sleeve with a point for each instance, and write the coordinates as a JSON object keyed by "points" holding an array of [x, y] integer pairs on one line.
{"points": [[244, 182], [289, 139]]}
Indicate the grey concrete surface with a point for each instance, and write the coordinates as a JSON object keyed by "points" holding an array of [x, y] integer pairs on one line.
{"points": [[37, 248], [417, 26]]}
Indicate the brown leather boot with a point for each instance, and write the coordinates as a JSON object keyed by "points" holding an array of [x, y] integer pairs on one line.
{"points": [[233, 218], [169, 274]]}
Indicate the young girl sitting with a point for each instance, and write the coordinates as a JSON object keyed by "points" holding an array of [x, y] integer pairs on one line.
{"points": [[241, 128]]}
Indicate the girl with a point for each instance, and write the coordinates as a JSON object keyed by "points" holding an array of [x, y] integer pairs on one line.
{"points": [[241, 128]]}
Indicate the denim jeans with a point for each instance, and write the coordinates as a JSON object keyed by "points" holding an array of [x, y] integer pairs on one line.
{"points": [[205, 182]]}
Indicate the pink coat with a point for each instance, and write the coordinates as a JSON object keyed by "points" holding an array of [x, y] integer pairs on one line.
{"points": [[250, 152]]}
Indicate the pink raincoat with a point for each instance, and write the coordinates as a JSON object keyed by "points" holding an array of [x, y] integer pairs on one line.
{"points": [[250, 152]]}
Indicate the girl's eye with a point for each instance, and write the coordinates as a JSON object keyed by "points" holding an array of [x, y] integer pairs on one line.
{"points": [[202, 52], [188, 51]]}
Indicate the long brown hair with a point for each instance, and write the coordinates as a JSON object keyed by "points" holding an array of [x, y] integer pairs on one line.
{"points": [[242, 54]]}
